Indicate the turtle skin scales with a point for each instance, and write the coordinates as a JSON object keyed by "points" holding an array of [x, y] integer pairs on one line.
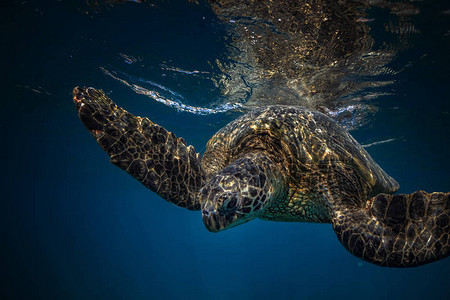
{"points": [[277, 163]]}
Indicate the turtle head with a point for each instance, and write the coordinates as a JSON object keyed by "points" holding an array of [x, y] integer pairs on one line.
{"points": [[237, 194]]}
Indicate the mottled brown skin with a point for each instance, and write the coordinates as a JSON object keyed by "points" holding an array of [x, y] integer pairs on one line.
{"points": [[320, 163], [157, 158], [397, 230], [279, 163]]}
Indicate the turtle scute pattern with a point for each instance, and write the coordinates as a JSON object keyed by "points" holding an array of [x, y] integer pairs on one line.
{"points": [[278, 163], [157, 158], [320, 161], [397, 230]]}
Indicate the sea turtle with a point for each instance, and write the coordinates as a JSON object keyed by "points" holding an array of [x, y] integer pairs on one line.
{"points": [[277, 163]]}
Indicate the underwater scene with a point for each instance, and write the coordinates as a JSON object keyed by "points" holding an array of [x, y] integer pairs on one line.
{"points": [[75, 226]]}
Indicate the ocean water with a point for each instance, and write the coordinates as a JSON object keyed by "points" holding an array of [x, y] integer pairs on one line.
{"points": [[73, 226]]}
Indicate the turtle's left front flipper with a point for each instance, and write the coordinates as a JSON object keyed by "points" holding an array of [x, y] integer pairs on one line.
{"points": [[397, 230], [157, 158]]}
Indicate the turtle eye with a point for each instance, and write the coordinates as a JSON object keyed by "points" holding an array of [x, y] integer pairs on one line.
{"points": [[232, 202]]}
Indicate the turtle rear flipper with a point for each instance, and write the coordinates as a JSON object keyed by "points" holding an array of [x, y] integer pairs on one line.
{"points": [[157, 158], [397, 230]]}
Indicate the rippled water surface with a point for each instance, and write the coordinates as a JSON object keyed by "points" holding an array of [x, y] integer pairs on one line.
{"points": [[74, 226]]}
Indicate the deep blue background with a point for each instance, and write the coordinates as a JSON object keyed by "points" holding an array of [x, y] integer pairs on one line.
{"points": [[73, 226]]}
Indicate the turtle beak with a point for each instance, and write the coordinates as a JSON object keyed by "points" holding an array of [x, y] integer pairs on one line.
{"points": [[213, 221]]}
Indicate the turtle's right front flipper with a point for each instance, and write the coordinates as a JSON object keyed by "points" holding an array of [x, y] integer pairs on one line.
{"points": [[157, 158]]}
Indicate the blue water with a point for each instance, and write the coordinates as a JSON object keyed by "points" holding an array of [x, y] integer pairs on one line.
{"points": [[73, 226]]}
